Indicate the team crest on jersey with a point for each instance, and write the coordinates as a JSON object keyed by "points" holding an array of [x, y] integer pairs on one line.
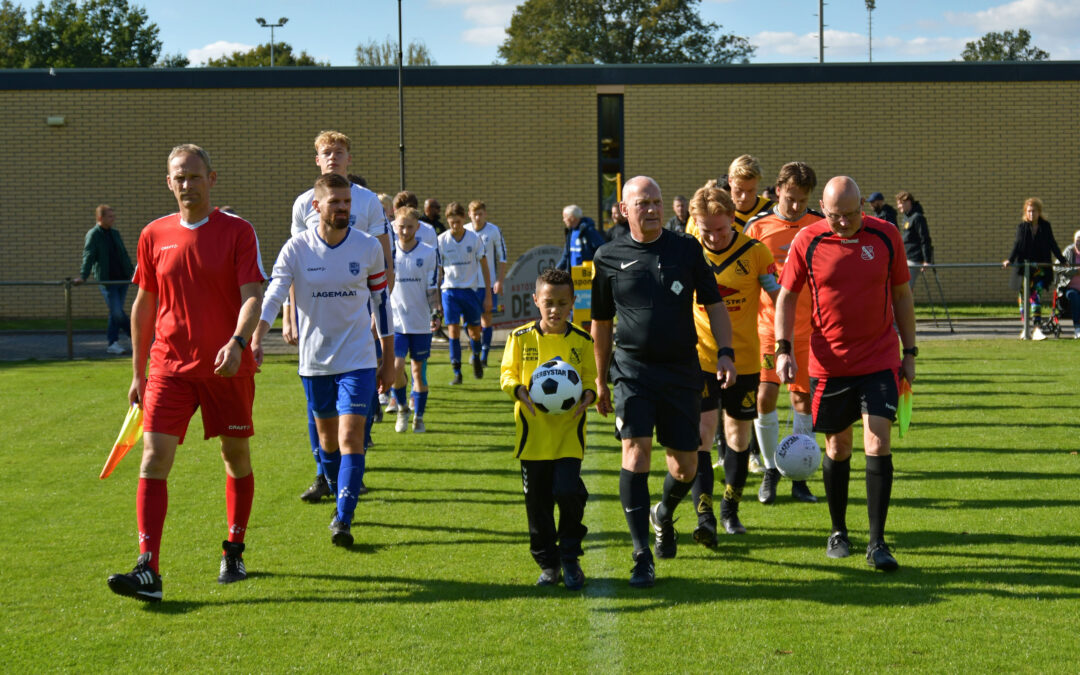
{"points": [[419, 262], [468, 249], [741, 269], [352, 219], [867, 252], [575, 355], [354, 268], [677, 287]]}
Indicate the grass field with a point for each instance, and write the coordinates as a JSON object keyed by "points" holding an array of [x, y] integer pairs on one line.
{"points": [[984, 522]]}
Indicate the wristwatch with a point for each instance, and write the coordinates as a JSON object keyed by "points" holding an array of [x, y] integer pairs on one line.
{"points": [[726, 351], [241, 341], [782, 347], [914, 351]]}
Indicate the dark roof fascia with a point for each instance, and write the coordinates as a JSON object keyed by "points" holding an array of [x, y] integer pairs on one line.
{"points": [[580, 75]]}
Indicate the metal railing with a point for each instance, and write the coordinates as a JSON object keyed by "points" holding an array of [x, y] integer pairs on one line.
{"points": [[67, 284]]}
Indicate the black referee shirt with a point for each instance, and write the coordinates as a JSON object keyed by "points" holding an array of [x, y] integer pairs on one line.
{"points": [[651, 288]]}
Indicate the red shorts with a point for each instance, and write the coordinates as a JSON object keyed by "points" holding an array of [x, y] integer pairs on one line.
{"points": [[226, 405], [800, 349]]}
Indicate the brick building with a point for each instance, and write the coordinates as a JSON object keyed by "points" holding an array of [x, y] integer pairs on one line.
{"points": [[971, 141]]}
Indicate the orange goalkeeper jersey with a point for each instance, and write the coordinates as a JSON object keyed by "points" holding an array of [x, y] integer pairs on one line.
{"points": [[777, 234]]}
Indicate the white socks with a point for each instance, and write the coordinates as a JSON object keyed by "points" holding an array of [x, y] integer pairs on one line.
{"points": [[767, 426]]}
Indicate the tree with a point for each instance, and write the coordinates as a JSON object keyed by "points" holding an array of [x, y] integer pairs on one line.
{"points": [[618, 31], [1004, 47], [260, 56], [385, 54], [91, 34], [177, 60], [12, 35]]}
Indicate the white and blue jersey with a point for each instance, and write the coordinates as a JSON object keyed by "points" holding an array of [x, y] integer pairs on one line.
{"points": [[416, 273], [333, 287], [461, 260], [494, 248], [366, 212]]}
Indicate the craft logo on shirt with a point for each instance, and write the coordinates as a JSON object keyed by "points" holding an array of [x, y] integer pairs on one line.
{"points": [[166, 248], [354, 268], [867, 252]]}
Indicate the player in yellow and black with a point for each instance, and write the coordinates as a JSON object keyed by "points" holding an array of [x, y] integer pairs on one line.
{"points": [[743, 267], [743, 177], [551, 447]]}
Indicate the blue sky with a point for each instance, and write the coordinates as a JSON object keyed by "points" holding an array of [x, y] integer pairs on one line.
{"points": [[468, 32]]}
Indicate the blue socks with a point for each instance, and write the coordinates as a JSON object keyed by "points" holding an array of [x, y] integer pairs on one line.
{"points": [[486, 334], [399, 396], [351, 477], [419, 402], [455, 353], [474, 345], [331, 463], [313, 437]]}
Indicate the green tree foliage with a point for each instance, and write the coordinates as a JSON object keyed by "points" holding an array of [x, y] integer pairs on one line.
{"points": [[385, 54], [260, 56], [173, 61], [70, 34], [618, 31], [1004, 47]]}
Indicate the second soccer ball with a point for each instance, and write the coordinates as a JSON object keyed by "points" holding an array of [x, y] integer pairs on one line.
{"points": [[798, 457]]}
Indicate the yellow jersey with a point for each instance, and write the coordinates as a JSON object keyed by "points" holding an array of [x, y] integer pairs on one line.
{"points": [[543, 436], [743, 270]]}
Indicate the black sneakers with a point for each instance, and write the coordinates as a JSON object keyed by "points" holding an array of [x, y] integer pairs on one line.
{"points": [[142, 583], [705, 532], [879, 557], [729, 517], [800, 492], [341, 532], [667, 540], [839, 546], [766, 494], [549, 576], [232, 563], [573, 576], [457, 378], [477, 367], [643, 573], [319, 489]]}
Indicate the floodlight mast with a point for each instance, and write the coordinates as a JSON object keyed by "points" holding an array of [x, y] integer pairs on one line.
{"points": [[280, 22]]}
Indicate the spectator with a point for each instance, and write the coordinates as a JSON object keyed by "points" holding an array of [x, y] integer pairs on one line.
{"points": [[916, 234], [881, 209], [1070, 283], [387, 205], [105, 256], [619, 224], [582, 239], [431, 215], [677, 223], [1034, 244]]}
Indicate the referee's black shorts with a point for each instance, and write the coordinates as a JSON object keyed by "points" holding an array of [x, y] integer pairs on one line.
{"points": [[739, 401], [661, 396], [838, 402]]}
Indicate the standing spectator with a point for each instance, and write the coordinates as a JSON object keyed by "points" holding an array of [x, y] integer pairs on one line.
{"points": [[582, 239], [882, 210], [1071, 281], [495, 251], [432, 208], [105, 257], [677, 223], [199, 267], [1034, 243], [619, 224], [857, 279], [649, 280], [916, 234]]}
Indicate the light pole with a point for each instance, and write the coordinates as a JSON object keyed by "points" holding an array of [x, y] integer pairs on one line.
{"points": [[280, 22]]}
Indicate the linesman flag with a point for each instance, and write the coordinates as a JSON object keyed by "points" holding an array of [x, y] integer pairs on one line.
{"points": [[903, 412], [130, 433]]}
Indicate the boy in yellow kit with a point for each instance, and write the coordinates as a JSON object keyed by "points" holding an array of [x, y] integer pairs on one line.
{"points": [[550, 447]]}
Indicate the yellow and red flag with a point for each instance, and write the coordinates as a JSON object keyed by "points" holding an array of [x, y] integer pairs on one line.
{"points": [[130, 433]]}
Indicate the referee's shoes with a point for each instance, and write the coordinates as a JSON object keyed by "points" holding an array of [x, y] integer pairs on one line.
{"points": [[879, 557], [667, 540], [643, 573], [142, 583]]}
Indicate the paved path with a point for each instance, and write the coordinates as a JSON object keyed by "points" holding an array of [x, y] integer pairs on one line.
{"points": [[52, 345]]}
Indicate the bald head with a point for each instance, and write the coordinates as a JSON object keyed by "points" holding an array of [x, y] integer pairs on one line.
{"points": [[643, 207], [841, 203]]}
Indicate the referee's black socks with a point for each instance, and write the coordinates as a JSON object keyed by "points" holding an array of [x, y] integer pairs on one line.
{"points": [[879, 477], [836, 474], [634, 494], [674, 491]]}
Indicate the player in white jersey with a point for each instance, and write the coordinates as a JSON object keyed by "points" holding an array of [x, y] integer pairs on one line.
{"points": [[465, 269], [495, 250], [339, 280], [415, 303], [332, 155]]}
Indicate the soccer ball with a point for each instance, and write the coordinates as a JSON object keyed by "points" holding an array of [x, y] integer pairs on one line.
{"points": [[798, 457], [555, 387]]}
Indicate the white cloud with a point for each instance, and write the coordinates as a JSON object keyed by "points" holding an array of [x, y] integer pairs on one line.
{"points": [[488, 18], [848, 46], [216, 50], [485, 36], [490, 14], [1054, 24]]}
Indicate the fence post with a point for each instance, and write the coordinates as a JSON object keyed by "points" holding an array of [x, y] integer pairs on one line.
{"points": [[67, 318], [1025, 307]]}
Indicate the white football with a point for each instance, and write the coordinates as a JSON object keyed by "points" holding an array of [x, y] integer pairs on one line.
{"points": [[555, 387], [798, 456]]}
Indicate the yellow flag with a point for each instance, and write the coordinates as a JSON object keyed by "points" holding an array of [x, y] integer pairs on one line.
{"points": [[130, 433]]}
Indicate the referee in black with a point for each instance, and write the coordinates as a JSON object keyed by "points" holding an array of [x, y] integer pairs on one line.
{"points": [[648, 279]]}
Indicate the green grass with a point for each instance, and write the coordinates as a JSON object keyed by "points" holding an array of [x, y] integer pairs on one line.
{"points": [[984, 522]]}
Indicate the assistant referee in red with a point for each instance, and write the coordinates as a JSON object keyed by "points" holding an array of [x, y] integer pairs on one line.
{"points": [[856, 272]]}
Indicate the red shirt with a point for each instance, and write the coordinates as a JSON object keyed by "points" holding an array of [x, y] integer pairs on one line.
{"points": [[196, 275], [850, 284]]}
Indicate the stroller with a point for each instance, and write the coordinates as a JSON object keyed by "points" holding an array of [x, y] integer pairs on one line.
{"points": [[1059, 304]]}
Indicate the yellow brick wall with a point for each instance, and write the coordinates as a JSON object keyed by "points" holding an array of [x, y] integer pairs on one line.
{"points": [[970, 152]]}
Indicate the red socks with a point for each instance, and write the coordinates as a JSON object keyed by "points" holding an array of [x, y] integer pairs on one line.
{"points": [[151, 503], [239, 493]]}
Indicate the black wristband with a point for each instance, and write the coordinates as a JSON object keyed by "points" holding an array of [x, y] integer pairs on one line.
{"points": [[726, 351], [913, 351], [242, 341], [783, 347]]}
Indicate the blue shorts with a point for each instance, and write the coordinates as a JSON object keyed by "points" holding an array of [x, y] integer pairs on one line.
{"points": [[480, 293], [415, 345], [344, 394], [461, 303]]}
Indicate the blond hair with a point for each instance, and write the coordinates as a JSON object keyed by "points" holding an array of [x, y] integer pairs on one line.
{"points": [[1032, 201], [745, 167], [189, 149], [331, 138], [711, 201]]}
